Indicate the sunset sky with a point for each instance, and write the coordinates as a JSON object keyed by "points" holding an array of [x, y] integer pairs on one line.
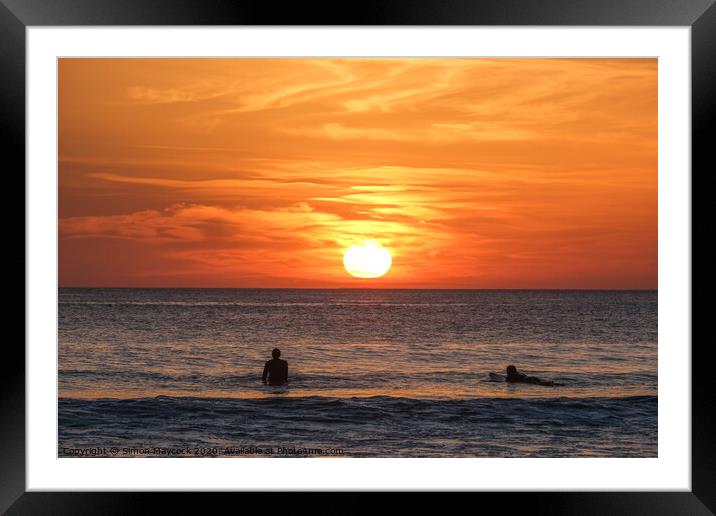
{"points": [[473, 173]]}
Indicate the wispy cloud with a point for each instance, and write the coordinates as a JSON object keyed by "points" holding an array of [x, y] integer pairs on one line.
{"points": [[474, 172]]}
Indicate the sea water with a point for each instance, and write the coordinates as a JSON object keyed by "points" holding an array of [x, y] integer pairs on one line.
{"points": [[372, 373]]}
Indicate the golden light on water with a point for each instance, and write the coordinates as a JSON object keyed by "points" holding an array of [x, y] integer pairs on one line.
{"points": [[369, 260]]}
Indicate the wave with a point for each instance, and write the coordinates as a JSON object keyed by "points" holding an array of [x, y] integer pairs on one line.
{"points": [[380, 426], [322, 380], [358, 408]]}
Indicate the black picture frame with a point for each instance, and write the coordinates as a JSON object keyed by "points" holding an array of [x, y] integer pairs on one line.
{"points": [[700, 15]]}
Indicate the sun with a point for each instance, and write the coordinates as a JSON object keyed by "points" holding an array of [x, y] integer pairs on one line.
{"points": [[370, 260]]}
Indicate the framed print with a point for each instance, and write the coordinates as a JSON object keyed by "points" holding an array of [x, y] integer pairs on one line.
{"points": [[417, 248]]}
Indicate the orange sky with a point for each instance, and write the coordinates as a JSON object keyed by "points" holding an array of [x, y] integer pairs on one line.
{"points": [[475, 173]]}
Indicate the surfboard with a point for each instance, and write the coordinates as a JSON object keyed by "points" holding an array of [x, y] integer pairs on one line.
{"points": [[497, 377]]}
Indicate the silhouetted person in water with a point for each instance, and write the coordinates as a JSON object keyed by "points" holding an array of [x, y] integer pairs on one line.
{"points": [[515, 376], [275, 370]]}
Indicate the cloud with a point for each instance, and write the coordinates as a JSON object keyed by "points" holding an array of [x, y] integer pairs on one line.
{"points": [[429, 134], [474, 172]]}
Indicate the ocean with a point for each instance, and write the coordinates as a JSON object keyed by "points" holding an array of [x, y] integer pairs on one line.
{"points": [[372, 373]]}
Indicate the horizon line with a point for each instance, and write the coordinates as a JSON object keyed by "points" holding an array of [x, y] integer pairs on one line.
{"points": [[373, 288]]}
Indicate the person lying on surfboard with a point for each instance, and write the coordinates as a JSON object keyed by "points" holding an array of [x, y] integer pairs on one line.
{"points": [[515, 376]]}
